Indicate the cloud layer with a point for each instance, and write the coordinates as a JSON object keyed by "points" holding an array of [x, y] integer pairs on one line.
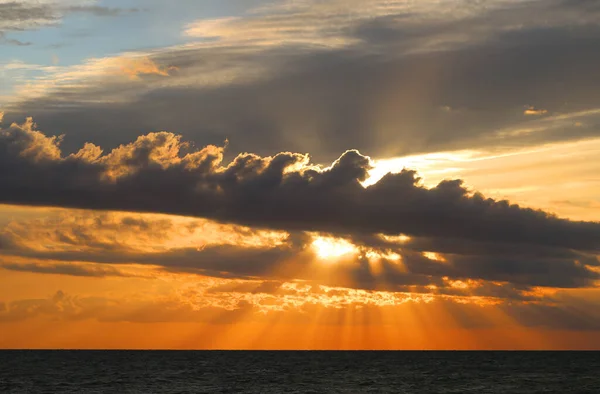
{"points": [[476, 237], [390, 78], [284, 191], [219, 304]]}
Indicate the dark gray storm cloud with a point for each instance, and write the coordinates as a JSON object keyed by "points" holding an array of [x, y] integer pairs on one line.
{"points": [[296, 261], [481, 238], [65, 269], [150, 175]]}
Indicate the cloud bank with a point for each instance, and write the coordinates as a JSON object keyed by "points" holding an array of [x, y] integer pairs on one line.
{"points": [[418, 79], [476, 237], [283, 192]]}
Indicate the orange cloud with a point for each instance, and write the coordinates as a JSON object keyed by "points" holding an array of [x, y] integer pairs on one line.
{"points": [[134, 67], [345, 319]]}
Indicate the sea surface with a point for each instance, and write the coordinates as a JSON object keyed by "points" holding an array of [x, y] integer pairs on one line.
{"points": [[298, 372]]}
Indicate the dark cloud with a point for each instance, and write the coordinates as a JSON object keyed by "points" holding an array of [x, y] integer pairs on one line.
{"points": [[87, 270], [481, 238], [288, 263], [151, 175], [389, 93], [565, 313], [457, 246]]}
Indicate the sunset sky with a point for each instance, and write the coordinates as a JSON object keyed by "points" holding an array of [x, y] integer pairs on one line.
{"points": [[300, 174]]}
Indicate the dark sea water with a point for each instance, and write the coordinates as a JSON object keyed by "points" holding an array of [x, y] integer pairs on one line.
{"points": [[298, 372]]}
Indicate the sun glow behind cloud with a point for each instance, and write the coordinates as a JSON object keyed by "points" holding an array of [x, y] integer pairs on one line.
{"points": [[273, 309], [330, 248], [550, 176]]}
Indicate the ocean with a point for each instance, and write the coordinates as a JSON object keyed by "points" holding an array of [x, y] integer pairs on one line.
{"points": [[33, 371]]}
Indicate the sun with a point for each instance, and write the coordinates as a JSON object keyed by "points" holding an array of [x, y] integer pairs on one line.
{"points": [[332, 248]]}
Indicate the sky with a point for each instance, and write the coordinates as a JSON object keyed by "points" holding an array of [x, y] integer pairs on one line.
{"points": [[300, 174]]}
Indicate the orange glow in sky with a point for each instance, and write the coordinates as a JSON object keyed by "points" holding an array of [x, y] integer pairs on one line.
{"points": [[315, 174]]}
